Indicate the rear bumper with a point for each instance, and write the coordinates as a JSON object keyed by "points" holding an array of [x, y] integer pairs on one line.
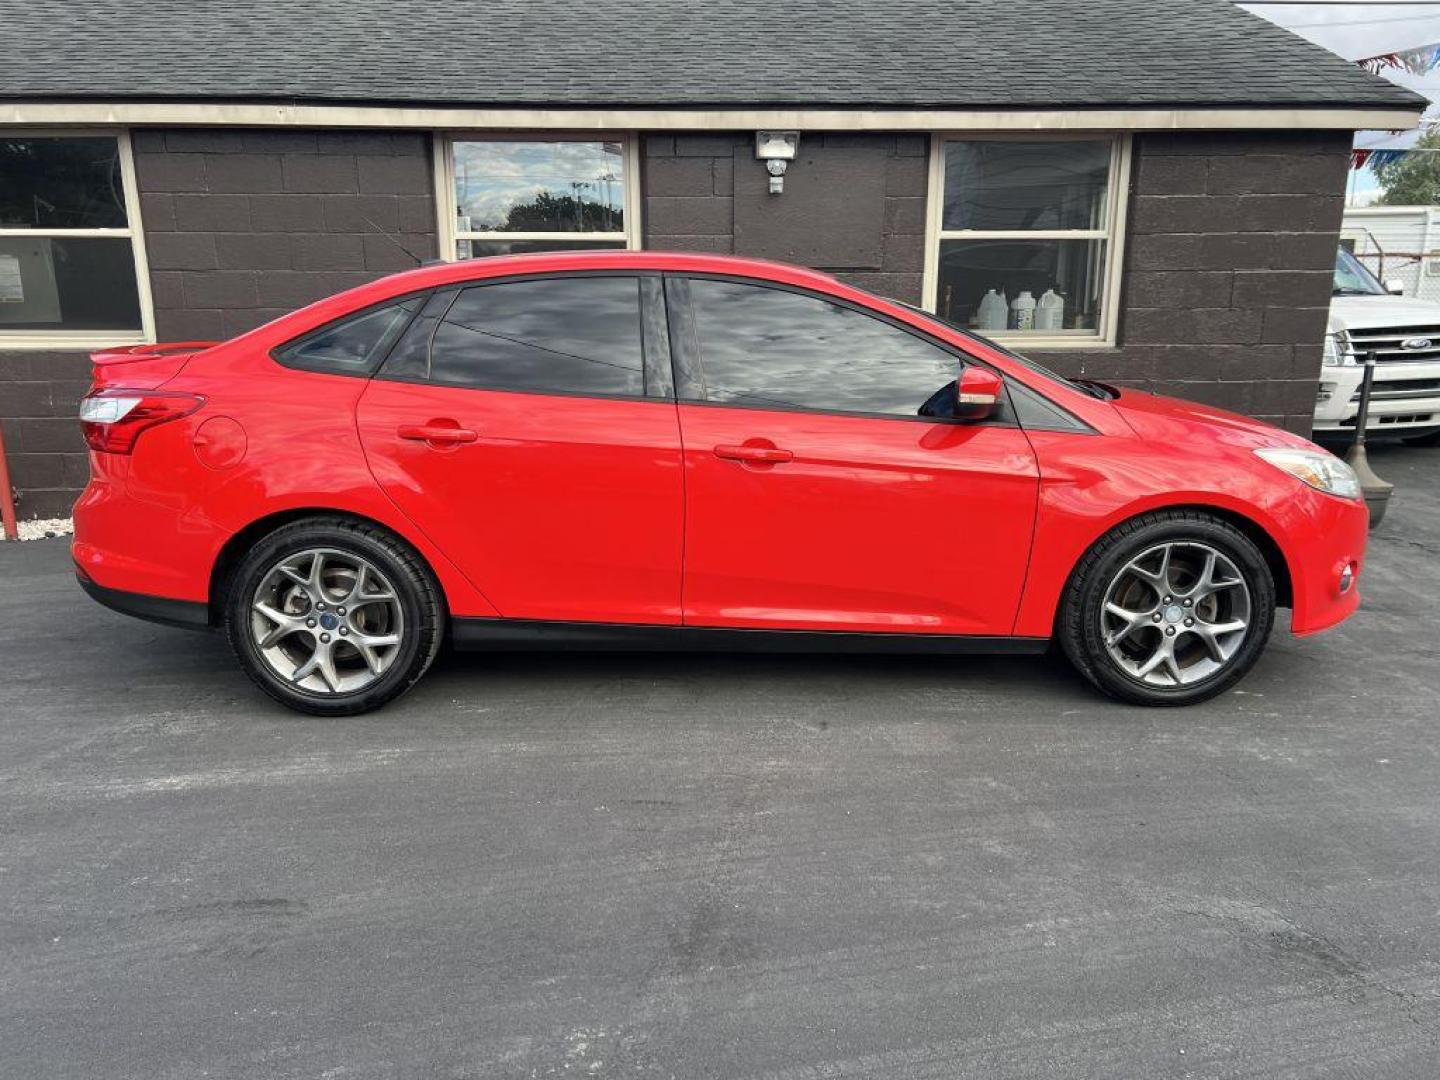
{"points": [[140, 546], [187, 614]]}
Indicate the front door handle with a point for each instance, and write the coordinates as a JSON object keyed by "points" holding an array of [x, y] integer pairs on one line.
{"points": [[444, 432], [768, 455]]}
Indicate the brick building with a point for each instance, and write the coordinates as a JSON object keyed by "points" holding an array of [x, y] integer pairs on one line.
{"points": [[1166, 175]]}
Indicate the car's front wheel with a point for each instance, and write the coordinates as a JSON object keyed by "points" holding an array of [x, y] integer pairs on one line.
{"points": [[1171, 608], [333, 617]]}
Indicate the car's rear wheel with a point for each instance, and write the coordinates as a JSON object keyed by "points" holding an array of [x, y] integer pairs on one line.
{"points": [[333, 617], [1171, 608]]}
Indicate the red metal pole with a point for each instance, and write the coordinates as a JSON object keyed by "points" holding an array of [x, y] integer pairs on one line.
{"points": [[7, 501]]}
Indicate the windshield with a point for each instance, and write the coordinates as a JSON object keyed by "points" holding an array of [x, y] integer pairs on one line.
{"points": [[1352, 279]]}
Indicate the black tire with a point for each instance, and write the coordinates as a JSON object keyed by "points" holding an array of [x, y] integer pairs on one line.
{"points": [[1430, 438], [416, 597], [1080, 622]]}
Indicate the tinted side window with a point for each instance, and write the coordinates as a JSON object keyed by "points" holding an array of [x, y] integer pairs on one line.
{"points": [[762, 346], [549, 335], [353, 345]]}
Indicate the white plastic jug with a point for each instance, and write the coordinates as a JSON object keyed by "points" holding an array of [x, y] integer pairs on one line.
{"points": [[1050, 311], [993, 311], [1022, 312]]}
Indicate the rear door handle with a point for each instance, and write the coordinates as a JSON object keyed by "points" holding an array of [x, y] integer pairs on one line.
{"points": [[437, 431], [770, 455]]}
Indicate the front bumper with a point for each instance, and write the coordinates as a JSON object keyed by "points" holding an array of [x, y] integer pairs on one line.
{"points": [[1327, 535]]}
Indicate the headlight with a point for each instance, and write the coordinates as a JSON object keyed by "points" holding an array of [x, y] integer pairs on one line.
{"points": [[1322, 471], [1330, 356], [1337, 350]]}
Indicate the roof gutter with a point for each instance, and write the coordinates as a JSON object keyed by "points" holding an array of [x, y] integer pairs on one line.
{"points": [[272, 114]]}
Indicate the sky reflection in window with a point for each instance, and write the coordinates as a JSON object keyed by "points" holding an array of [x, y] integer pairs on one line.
{"points": [[527, 186]]}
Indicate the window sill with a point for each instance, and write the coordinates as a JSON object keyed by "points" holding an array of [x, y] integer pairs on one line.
{"points": [[1021, 342], [58, 341]]}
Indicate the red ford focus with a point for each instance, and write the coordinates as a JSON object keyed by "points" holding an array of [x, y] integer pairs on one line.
{"points": [[636, 449]]}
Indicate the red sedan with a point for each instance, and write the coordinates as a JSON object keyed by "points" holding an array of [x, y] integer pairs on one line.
{"points": [[637, 449]]}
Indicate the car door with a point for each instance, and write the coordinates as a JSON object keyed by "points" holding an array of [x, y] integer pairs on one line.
{"points": [[817, 497], [528, 427]]}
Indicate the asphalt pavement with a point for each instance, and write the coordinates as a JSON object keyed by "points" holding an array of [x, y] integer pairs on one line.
{"points": [[784, 868]]}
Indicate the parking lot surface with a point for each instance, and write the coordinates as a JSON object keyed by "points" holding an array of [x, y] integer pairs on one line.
{"points": [[714, 866]]}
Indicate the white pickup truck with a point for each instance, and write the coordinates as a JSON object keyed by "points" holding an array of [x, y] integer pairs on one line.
{"points": [[1404, 334]]}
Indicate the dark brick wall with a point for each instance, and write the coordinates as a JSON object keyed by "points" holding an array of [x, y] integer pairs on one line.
{"points": [[243, 226], [39, 395], [240, 227], [706, 192], [1229, 258]]}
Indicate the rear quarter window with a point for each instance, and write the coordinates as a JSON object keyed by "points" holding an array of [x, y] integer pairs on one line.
{"points": [[354, 345]]}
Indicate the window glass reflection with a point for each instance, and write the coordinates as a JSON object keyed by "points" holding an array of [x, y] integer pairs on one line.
{"points": [[768, 347], [61, 183], [531, 186], [1026, 185], [78, 283], [353, 346], [1024, 286], [550, 335]]}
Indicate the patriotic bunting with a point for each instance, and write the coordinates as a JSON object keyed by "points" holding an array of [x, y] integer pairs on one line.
{"points": [[1417, 61], [1359, 159]]}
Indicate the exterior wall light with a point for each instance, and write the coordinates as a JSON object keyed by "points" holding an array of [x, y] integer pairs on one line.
{"points": [[776, 149]]}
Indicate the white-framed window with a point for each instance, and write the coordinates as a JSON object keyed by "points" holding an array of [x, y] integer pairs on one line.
{"points": [[503, 194], [1025, 234], [72, 257]]}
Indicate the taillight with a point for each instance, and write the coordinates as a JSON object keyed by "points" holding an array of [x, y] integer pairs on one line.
{"points": [[113, 419]]}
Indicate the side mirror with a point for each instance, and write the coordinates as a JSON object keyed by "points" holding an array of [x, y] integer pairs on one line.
{"points": [[1395, 287], [978, 393]]}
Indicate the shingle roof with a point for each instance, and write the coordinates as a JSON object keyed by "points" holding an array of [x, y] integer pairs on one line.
{"points": [[723, 53]]}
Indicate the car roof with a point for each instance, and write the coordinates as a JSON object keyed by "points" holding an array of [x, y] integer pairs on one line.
{"points": [[449, 273], [498, 267]]}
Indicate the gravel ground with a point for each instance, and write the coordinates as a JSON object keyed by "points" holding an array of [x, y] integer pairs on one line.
{"points": [[44, 528], [780, 868]]}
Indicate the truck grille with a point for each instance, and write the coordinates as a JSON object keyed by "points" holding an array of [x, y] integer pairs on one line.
{"points": [[1388, 344], [1401, 389]]}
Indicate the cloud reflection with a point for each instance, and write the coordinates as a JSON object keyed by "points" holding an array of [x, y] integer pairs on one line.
{"points": [[573, 186]]}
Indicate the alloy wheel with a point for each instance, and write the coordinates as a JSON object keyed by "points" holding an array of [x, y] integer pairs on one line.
{"points": [[327, 621], [1176, 614]]}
